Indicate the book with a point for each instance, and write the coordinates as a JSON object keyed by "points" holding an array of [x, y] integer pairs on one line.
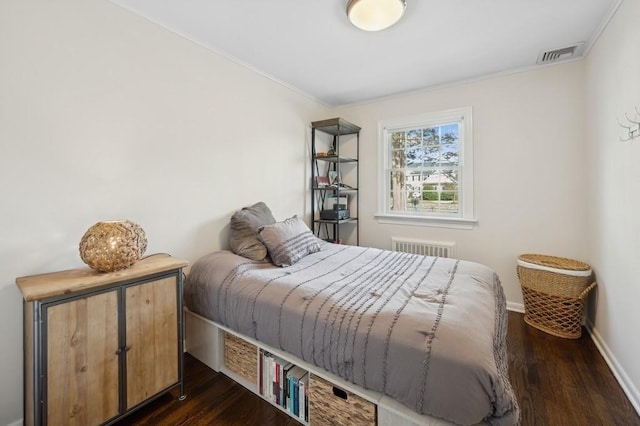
{"points": [[275, 384], [264, 373], [295, 374], [260, 374], [286, 398], [303, 384]]}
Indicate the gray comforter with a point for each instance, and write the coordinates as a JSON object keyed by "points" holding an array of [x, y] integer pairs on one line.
{"points": [[429, 332]]}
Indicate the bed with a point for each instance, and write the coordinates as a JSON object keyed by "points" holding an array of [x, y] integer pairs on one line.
{"points": [[428, 333]]}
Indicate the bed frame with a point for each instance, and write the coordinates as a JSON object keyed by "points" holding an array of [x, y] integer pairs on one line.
{"points": [[205, 340]]}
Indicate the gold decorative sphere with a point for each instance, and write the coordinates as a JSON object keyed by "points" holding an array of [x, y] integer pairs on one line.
{"points": [[113, 245]]}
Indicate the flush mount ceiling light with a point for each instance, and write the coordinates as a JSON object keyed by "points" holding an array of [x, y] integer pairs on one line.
{"points": [[375, 15]]}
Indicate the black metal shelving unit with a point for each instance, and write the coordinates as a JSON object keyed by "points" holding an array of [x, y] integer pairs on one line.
{"points": [[342, 132]]}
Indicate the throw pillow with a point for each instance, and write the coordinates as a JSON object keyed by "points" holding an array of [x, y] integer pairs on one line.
{"points": [[243, 238], [288, 241]]}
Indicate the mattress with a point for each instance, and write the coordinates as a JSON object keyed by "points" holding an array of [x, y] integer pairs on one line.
{"points": [[429, 332]]}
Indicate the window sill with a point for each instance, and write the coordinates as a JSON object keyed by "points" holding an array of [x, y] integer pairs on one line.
{"points": [[434, 221]]}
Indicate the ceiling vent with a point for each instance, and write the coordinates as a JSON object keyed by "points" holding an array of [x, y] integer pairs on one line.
{"points": [[560, 54]]}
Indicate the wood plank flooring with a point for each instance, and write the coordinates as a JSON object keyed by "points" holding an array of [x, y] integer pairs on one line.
{"points": [[558, 382]]}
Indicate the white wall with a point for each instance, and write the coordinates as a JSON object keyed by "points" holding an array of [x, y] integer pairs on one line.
{"points": [[613, 89], [105, 115], [528, 167]]}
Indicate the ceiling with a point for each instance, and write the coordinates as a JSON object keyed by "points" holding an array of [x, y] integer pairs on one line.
{"points": [[310, 46]]}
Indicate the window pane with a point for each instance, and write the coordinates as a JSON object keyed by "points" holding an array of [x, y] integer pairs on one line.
{"points": [[397, 140], [449, 202], [450, 133], [398, 159], [398, 194], [414, 138], [414, 177], [414, 190], [449, 177], [432, 156], [450, 155], [415, 156], [430, 135]]}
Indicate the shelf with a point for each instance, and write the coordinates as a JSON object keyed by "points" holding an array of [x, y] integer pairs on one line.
{"points": [[326, 168], [335, 126], [351, 219], [330, 397], [335, 159], [334, 189]]}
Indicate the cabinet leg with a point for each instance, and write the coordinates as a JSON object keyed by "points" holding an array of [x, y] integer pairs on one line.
{"points": [[182, 395]]}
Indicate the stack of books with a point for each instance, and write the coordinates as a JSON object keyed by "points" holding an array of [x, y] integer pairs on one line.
{"points": [[284, 384]]}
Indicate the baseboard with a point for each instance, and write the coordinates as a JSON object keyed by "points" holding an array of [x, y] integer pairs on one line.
{"points": [[16, 423], [515, 307], [618, 372]]}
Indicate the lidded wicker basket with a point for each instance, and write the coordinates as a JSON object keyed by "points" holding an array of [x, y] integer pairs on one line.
{"points": [[554, 289]]}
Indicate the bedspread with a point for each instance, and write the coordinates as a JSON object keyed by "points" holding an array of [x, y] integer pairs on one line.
{"points": [[429, 332]]}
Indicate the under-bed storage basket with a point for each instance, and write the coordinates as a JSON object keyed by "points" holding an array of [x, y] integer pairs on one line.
{"points": [[554, 289], [241, 357], [330, 405]]}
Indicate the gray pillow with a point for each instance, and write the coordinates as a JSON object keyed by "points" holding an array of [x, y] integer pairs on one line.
{"points": [[288, 241], [243, 238]]}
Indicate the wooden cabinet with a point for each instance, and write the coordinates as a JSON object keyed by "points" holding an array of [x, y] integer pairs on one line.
{"points": [[98, 345]]}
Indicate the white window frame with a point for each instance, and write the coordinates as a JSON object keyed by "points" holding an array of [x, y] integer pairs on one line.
{"points": [[464, 219]]}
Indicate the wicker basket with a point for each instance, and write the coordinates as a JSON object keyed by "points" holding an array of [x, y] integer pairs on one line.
{"points": [[554, 289], [329, 405], [241, 357]]}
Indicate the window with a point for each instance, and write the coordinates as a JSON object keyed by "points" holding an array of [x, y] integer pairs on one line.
{"points": [[426, 170]]}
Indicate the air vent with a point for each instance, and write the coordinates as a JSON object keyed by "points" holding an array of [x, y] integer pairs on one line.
{"points": [[560, 54]]}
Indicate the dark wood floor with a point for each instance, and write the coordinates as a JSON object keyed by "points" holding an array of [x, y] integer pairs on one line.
{"points": [[558, 382]]}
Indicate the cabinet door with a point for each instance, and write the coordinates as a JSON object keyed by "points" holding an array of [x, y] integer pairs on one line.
{"points": [[82, 363], [152, 338]]}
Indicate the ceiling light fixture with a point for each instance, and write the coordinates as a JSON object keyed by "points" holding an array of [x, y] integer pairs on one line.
{"points": [[375, 15]]}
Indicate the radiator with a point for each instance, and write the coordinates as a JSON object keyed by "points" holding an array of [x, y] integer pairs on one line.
{"points": [[425, 248]]}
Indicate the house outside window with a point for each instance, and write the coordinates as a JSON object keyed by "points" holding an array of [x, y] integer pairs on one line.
{"points": [[426, 170]]}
